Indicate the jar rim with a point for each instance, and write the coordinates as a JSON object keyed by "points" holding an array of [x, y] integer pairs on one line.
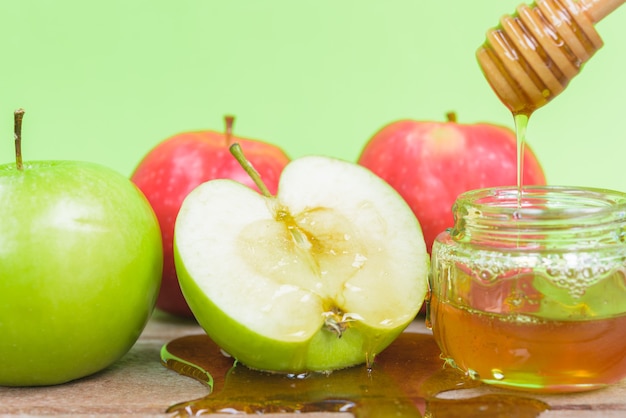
{"points": [[544, 201], [540, 217]]}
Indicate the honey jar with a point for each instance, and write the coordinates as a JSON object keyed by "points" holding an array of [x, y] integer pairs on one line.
{"points": [[528, 289]]}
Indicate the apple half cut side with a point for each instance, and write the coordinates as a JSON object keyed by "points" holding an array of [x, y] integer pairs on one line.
{"points": [[322, 276]]}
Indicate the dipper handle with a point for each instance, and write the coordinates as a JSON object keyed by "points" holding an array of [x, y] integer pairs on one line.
{"points": [[598, 9], [533, 54]]}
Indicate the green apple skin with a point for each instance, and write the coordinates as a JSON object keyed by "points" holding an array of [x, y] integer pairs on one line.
{"points": [[80, 269]]}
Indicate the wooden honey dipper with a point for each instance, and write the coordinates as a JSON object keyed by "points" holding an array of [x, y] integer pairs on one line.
{"points": [[532, 55]]}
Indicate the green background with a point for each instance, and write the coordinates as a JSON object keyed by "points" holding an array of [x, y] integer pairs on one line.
{"points": [[106, 81]]}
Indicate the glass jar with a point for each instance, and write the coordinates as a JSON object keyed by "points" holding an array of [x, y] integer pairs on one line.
{"points": [[528, 290]]}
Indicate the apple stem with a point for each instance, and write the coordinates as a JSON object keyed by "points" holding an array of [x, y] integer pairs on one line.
{"points": [[237, 152], [229, 120], [18, 115], [451, 117]]}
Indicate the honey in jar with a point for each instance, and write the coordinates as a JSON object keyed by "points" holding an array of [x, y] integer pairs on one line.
{"points": [[528, 289]]}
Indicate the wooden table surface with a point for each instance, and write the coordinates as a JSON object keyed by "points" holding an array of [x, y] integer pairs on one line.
{"points": [[139, 386]]}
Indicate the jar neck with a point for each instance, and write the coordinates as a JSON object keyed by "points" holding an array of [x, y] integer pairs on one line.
{"points": [[540, 217]]}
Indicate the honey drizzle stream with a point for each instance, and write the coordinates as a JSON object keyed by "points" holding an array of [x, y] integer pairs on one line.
{"points": [[405, 381], [521, 123]]}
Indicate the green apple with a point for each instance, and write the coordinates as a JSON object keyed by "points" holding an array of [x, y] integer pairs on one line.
{"points": [[80, 268], [322, 276]]}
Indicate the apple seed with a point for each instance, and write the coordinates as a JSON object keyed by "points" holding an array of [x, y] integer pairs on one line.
{"points": [[337, 321]]}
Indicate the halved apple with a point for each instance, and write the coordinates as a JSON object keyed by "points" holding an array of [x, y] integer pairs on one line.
{"points": [[322, 276]]}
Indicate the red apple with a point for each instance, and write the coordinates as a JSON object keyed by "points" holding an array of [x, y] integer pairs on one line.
{"points": [[430, 163], [176, 166]]}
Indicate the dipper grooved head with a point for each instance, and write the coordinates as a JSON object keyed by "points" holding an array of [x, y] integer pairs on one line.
{"points": [[533, 54]]}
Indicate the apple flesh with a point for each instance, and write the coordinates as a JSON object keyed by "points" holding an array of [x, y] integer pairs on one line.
{"points": [[80, 267], [176, 166], [322, 276], [430, 163]]}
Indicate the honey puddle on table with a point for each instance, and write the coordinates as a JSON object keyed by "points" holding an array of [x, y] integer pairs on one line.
{"points": [[404, 382]]}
